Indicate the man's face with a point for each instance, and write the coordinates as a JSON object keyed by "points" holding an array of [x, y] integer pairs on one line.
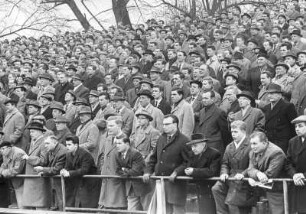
{"points": [[5, 150], [144, 100], [62, 78], [93, 99], [121, 146], [300, 129], [35, 133], [207, 100], [175, 97], [283, 51], [103, 101], [237, 134], [142, 120], [60, 126], [231, 96], [177, 81], [169, 126], [230, 80], [264, 79], [56, 113], [70, 146], [280, 70], [198, 148], [9, 106], [243, 102], [302, 59], [156, 93], [290, 60], [194, 89], [50, 144], [261, 61], [112, 128], [274, 97], [43, 101], [84, 117], [32, 109], [256, 145]]}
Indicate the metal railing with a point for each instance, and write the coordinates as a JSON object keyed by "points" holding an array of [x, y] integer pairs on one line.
{"points": [[161, 179]]}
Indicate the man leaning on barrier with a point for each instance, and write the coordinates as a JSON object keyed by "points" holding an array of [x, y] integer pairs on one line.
{"points": [[205, 163], [296, 167], [12, 165], [234, 197], [267, 162], [169, 158]]}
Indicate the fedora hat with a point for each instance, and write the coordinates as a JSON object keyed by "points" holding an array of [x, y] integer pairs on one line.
{"points": [[81, 101], [61, 119], [94, 93], [12, 100], [47, 96], [146, 114], [77, 77], [58, 105], [20, 86], [85, 110], [300, 119], [33, 103], [246, 94], [274, 88], [145, 92], [147, 81], [231, 74], [197, 138], [282, 65], [72, 93], [37, 126], [46, 76], [156, 70], [234, 66]]}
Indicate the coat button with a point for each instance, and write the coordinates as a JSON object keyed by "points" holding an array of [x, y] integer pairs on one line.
{"points": [[161, 162], [163, 150]]}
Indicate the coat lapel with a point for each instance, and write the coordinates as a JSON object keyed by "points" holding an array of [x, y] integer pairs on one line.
{"points": [[274, 111], [9, 116], [204, 116]]}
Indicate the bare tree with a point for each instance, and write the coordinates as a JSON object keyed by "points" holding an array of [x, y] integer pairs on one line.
{"points": [[75, 9], [18, 16], [120, 11]]}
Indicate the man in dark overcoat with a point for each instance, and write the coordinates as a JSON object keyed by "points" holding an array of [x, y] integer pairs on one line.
{"points": [[79, 192], [170, 158], [279, 114], [296, 167], [234, 162], [212, 123], [204, 163]]}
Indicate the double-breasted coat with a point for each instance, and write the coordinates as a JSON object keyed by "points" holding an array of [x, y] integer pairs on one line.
{"points": [[13, 125], [254, 118], [112, 190], [88, 134], [278, 126], [167, 158], [212, 123], [296, 159], [185, 114], [36, 192]]}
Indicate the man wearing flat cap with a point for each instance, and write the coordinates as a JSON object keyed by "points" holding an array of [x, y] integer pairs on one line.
{"points": [[57, 110], [145, 136], [62, 130], [87, 132], [45, 102], [14, 123], [253, 117], [296, 167], [204, 163], [78, 88], [94, 102], [45, 81], [279, 114], [282, 78]]}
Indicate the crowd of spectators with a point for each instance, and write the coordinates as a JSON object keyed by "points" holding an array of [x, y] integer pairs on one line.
{"points": [[216, 96]]}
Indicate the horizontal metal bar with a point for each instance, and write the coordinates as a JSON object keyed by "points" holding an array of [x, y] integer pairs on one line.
{"points": [[153, 177], [103, 210]]}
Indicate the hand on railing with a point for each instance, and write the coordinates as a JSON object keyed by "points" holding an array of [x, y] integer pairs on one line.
{"points": [[146, 177], [262, 177], [298, 179], [172, 177], [239, 176], [189, 171], [223, 177], [64, 173]]}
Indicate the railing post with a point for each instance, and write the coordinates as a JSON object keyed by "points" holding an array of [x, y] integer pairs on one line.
{"points": [[286, 202], [162, 182], [63, 192]]}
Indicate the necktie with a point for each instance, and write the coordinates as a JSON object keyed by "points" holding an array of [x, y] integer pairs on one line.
{"points": [[156, 103], [168, 139]]}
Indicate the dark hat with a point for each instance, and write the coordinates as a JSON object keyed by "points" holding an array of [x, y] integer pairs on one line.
{"points": [[296, 32], [147, 81], [253, 41], [1, 131], [136, 65], [247, 15], [192, 37], [61, 119], [37, 126], [47, 96], [94, 93], [282, 15], [57, 105], [156, 70], [282, 65], [135, 54], [145, 92], [194, 53], [260, 54], [170, 37], [146, 114], [137, 77], [28, 81], [238, 55], [21, 86], [198, 82], [234, 66], [81, 101], [12, 100], [72, 93], [85, 110], [197, 138], [33, 103], [231, 74], [301, 52], [246, 94], [300, 119], [6, 143], [227, 60], [173, 68], [77, 77], [274, 88], [72, 67], [149, 52], [46, 76]]}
